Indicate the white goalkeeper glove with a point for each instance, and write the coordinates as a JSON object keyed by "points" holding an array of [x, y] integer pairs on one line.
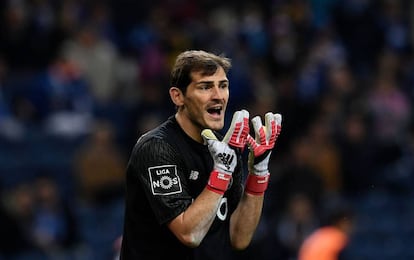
{"points": [[260, 149], [223, 153]]}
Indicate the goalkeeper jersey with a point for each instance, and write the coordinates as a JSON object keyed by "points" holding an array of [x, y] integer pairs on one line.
{"points": [[167, 170]]}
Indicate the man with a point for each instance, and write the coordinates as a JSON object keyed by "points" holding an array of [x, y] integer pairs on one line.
{"points": [[329, 242], [186, 199]]}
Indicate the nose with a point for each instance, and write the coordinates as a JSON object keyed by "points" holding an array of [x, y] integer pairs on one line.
{"points": [[217, 92]]}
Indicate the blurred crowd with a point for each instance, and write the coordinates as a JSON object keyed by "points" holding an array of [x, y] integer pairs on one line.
{"points": [[81, 80]]}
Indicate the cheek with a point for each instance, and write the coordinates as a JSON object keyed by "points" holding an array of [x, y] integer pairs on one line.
{"points": [[196, 102], [193, 106], [227, 93]]}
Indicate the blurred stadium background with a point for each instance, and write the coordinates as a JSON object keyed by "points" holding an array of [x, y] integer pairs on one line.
{"points": [[81, 80]]}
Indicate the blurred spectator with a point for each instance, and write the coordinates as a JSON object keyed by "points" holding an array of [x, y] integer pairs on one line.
{"points": [[10, 127], [57, 88], [296, 177], [284, 40], [99, 166], [388, 106], [298, 221], [353, 21], [390, 112], [54, 223], [403, 170], [253, 31], [15, 34], [146, 113], [101, 18], [69, 102], [397, 170], [70, 15], [44, 35], [395, 26], [329, 241], [97, 59], [324, 155], [357, 151], [17, 216], [30, 36], [341, 97], [326, 51], [263, 94]]}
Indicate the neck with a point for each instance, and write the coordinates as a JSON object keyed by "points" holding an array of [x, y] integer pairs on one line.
{"points": [[189, 128]]}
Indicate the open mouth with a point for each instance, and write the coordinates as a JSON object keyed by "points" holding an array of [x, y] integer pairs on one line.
{"points": [[215, 111]]}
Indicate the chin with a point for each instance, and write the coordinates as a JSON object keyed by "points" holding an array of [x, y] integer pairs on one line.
{"points": [[217, 126], [214, 123]]}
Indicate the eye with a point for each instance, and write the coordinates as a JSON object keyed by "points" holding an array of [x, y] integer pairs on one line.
{"points": [[205, 87], [224, 85]]}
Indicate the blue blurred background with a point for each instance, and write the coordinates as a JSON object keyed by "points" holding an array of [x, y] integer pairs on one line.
{"points": [[81, 80]]}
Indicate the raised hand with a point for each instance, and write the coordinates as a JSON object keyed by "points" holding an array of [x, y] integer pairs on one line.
{"points": [[260, 150], [222, 152]]}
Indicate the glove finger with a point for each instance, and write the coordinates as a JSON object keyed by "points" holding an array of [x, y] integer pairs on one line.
{"points": [[276, 128], [257, 124], [278, 118], [244, 130], [259, 130], [270, 126], [246, 127], [238, 130], [208, 136], [251, 142]]}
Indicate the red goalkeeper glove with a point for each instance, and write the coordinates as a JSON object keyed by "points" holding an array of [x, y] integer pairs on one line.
{"points": [[223, 153], [260, 149]]}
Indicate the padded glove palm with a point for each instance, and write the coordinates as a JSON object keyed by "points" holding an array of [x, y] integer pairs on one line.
{"points": [[223, 153], [260, 149]]}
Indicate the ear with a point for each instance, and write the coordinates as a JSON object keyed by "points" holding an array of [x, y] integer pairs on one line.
{"points": [[176, 96]]}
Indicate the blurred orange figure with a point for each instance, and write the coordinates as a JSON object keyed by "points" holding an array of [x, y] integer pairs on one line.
{"points": [[327, 242]]}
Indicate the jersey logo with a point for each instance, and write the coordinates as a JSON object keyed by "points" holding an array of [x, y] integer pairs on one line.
{"points": [[223, 209], [164, 180], [194, 175]]}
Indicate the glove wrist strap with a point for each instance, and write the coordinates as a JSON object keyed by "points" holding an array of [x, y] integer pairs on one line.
{"points": [[257, 185], [218, 182]]}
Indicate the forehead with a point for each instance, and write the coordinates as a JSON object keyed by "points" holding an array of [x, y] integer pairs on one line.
{"points": [[200, 76]]}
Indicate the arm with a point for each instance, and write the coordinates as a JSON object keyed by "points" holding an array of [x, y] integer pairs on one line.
{"points": [[247, 215], [245, 219], [191, 226]]}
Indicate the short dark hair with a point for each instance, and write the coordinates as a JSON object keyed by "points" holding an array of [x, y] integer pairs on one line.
{"points": [[191, 61]]}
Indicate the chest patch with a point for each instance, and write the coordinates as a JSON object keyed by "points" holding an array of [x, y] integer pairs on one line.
{"points": [[164, 180]]}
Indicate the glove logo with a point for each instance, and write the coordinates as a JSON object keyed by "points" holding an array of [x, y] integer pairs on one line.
{"points": [[164, 180], [226, 159]]}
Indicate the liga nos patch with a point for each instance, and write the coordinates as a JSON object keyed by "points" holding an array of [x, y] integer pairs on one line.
{"points": [[164, 180]]}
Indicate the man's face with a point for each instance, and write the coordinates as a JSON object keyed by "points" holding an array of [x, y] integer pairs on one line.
{"points": [[206, 99]]}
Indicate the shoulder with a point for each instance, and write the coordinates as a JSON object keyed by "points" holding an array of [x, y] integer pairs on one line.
{"points": [[159, 135], [152, 144], [158, 142]]}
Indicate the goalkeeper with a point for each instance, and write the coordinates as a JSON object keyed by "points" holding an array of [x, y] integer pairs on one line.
{"points": [[186, 196]]}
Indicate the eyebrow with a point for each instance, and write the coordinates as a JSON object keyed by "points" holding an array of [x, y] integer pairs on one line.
{"points": [[212, 82]]}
